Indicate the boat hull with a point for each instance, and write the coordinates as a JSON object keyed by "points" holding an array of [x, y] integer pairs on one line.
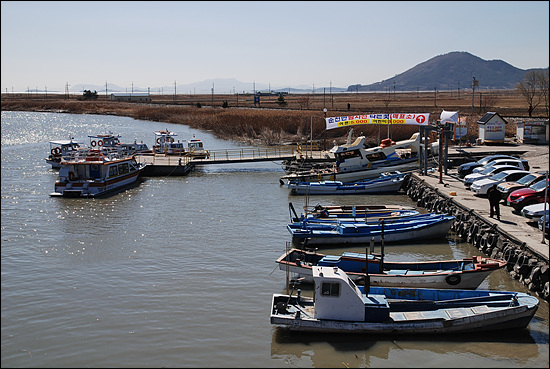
{"points": [[477, 317], [352, 176], [319, 188], [343, 234], [86, 188], [465, 273]]}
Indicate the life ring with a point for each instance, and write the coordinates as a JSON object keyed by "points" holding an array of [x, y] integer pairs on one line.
{"points": [[71, 176], [521, 260], [93, 143], [508, 254], [453, 279], [99, 143], [158, 140], [56, 151]]}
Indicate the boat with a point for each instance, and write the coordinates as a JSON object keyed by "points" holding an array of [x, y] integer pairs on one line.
{"points": [[166, 144], [62, 149], [95, 173], [353, 210], [341, 306], [466, 273], [339, 232], [388, 182], [135, 148], [354, 162], [109, 142]]}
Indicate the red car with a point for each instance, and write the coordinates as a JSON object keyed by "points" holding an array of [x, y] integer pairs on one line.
{"points": [[528, 196]]}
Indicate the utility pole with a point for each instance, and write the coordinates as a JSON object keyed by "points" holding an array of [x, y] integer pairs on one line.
{"points": [[474, 84], [106, 93], [174, 91]]}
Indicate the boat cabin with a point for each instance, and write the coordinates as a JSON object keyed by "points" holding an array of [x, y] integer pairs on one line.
{"points": [[107, 140], [337, 297]]}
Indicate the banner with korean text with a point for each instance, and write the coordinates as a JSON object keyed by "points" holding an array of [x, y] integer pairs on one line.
{"points": [[394, 118]]}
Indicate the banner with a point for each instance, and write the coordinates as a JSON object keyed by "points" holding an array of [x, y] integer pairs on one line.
{"points": [[449, 116], [394, 118]]}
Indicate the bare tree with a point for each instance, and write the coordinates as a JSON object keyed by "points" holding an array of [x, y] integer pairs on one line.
{"points": [[530, 88], [488, 101], [304, 101], [543, 88]]}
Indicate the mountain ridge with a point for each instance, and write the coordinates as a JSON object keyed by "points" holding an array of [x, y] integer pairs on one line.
{"points": [[449, 71]]}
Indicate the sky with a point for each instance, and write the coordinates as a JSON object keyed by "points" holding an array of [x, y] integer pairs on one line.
{"points": [[49, 45]]}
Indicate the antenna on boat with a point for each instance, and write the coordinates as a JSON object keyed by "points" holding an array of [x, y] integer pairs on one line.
{"points": [[367, 276], [382, 247], [287, 270]]}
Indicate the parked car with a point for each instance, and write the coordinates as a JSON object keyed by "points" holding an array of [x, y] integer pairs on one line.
{"points": [[519, 163], [488, 172], [506, 188], [466, 168], [535, 211], [528, 196], [544, 219], [481, 186]]}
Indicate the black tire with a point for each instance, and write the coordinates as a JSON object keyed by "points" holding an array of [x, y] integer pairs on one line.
{"points": [[453, 279]]}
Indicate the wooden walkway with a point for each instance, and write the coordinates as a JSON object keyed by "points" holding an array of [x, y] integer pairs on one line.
{"points": [[176, 165]]}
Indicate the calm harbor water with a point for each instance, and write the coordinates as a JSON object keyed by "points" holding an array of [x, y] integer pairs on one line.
{"points": [[179, 271]]}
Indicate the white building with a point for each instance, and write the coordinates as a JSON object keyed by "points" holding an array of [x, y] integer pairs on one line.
{"points": [[134, 97], [491, 128]]}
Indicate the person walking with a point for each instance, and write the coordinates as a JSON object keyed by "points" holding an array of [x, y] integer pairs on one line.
{"points": [[494, 201]]}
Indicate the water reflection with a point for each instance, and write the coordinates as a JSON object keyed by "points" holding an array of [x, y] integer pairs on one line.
{"points": [[356, 350]]}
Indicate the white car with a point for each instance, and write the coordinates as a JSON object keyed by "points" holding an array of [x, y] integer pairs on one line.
{"points": [[487, 173], [481, 186], [518, 163], [535, 211]]}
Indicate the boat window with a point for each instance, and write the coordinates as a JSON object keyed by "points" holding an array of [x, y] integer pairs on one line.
{"points": [[376, 156], [330, 289], [113, 171], [123, 168], [348, 154]]}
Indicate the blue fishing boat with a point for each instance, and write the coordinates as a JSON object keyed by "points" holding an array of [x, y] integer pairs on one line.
{"points": [[388, 182], [407, 228], [341, 306], [466, 273]]}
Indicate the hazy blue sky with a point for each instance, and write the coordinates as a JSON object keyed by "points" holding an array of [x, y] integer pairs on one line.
{"points": [[47, 44]]}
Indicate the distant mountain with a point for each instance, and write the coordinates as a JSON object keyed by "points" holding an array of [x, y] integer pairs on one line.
{"points": [[449, 72], [220, 85]]}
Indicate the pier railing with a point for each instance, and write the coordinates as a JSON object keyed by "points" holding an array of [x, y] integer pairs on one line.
{"points": [[270, 152]]}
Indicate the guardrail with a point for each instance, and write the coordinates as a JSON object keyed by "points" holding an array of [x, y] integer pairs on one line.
{"points": [[250, 153]]}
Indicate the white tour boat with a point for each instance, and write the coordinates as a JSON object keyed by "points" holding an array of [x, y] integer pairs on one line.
{"points": [[94, 173], [354, 162]]}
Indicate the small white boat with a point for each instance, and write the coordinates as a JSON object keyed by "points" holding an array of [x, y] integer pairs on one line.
{"points": [[466, 273], [387, 182], [354, 162], [62, 149], [94, 173], [340, 306], [167, 144]]}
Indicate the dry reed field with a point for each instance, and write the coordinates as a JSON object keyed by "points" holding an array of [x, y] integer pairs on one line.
{"points": [[236, 117]]}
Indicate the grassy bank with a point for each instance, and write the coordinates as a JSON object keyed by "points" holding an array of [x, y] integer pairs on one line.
{"points": [[273, 124]]}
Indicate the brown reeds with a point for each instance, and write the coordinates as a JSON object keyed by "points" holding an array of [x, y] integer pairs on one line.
{"points": [[299, 119]]}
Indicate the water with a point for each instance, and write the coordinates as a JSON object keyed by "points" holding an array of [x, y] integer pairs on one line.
{"points": [[179, 271]]}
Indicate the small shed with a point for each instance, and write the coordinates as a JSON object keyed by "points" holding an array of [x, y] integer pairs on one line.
{"points": [[135, 97], [533, 131], [491, 128]]}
